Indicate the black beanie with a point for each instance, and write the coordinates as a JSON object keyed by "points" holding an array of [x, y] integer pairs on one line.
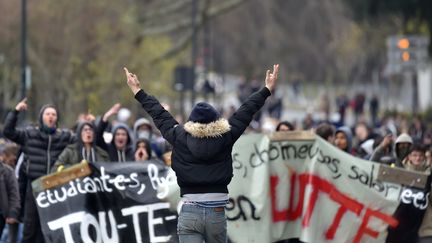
{"points": [[203, 113]]}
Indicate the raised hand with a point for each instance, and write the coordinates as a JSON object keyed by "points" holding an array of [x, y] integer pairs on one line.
{"points": [[141, 154], [387, 141], [22, 105], [112, 111], [271, 77], [132, 81]]}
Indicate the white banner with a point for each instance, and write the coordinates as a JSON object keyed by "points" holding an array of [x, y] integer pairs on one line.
{"points": [[307, 189]]}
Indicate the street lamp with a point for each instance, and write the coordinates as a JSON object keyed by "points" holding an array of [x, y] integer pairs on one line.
{"points": [[194, 48], [23, 47]]}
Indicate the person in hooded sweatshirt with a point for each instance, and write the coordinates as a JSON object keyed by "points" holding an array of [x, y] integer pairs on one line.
{"points": [[401, 149], [343, 139], [201, 157], [120, 148], [143, 129], [41, 145], [84, 149]]}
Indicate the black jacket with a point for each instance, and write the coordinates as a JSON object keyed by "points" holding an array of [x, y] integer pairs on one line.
{"points": [[9, 195], [40, 148], [201, 155], [409, 214]]}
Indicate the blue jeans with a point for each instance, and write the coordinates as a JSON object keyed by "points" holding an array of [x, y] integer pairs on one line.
{"points": [[198, 224], [12, 233], [426, 239]]}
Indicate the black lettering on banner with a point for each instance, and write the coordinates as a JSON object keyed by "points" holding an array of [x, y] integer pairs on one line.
{"points": [[361, 175], [285, 151], [261, 157], [288, 151], [238, 165], [311, 155], [239, 203], [367, 178], [323, 159], [331, 163], [334, 167], [258, 158], [303, 151], [273, 152], [355, 176], [291, 151]]}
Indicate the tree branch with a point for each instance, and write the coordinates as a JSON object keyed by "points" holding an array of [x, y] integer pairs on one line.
{"points": [[185, 21]]}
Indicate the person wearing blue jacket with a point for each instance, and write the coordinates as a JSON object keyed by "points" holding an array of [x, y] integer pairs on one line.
{"points": [[201, 157]]}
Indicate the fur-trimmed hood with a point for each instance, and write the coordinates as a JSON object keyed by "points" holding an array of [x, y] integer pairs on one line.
{"points": [[209, 130], [206, 141]]}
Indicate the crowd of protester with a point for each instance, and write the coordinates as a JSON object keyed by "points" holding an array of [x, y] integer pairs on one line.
{"points": [[397, 140], [26, 153]]}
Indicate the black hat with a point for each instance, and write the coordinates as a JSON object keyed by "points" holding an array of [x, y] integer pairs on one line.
{"points": [[203, 113]]}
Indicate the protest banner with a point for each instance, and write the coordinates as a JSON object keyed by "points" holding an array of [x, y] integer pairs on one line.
{"points": [[112, 202], [299, 186], [285, 185]]}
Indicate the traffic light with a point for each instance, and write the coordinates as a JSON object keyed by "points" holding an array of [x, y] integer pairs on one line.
{"points": [[406, 56], [403, 43], [406, 51]]}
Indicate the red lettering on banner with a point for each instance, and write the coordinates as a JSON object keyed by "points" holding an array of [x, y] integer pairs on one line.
{"points": [[346, 203], [311, 205], [364, 229], [277, 215], [296, 213], [321, 185], [290, 213]]}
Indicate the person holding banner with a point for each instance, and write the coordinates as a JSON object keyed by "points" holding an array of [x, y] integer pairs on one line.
{"points": [[201, 157], [41, 146]]}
